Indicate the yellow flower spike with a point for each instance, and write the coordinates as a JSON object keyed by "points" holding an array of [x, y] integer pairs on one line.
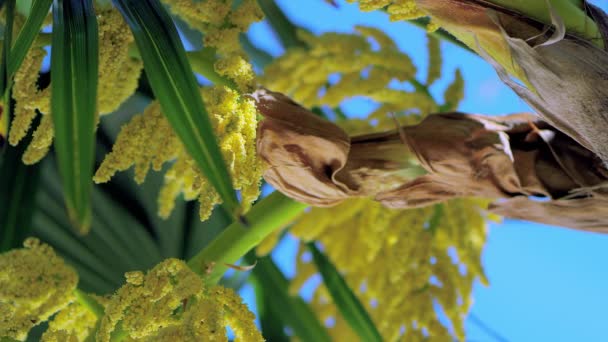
{"points": [[222, 25], [371, 5], [383, 40], [118, 72], [402, 248], [247, 13], [74, 323], [27, 96], [238, 316], [238, 69], [145, 304], [148, 140], [405, 10], [398, 9], [34, 284], [199, 14], [41, 141], [305, 74], [435, 59], [171, 303], [455, 91]]}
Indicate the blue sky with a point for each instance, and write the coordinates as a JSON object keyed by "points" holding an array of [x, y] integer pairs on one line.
{"points": [[547, 283]]}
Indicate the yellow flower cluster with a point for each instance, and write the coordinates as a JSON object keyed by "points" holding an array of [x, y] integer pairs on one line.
{"points": [[221, 25], [118, 71], [363, 70], [149, 141], [366, 64], [34, 284], [72, 324], [405, 261], [171, 303], [118, 75], [398, 9]]}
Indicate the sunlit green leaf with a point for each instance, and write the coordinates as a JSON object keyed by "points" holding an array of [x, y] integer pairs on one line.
{"points": [[175, 87], [28, 33], [74, 63]]}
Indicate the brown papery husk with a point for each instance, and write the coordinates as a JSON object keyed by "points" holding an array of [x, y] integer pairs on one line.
{"points": [[503, 158], [565, 78]]}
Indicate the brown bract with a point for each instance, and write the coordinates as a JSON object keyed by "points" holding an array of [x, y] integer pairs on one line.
{"points": [[507, 158], [564, 76]]}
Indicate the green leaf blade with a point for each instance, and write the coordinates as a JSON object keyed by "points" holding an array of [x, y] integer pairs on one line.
{"points": [[27, 35], [74, 64], [349, 306], [277, 302], [177, 91]]}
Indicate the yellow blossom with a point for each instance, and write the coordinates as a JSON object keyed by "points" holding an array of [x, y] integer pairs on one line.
{"points": [[148, 141], [73, 323], [34, 284], [118, 72], [403, 262], [222, 24], [363, 69], [27, 96], [454, 92], [435, 62], [398, 9], [171, 303]]}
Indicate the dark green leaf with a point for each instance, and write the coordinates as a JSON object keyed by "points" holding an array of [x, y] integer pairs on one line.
{"points": [[349, 306], [292, 311], [18, 186], [175, 87], [4, 72], [281, 25], [74, 63], [28, 33]]}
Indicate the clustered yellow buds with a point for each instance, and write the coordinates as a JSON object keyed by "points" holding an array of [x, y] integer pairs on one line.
{"points": [[398, 9], [118, 71], [118, 76], [222, 24], [34, 284], [73, 324], [149, 141], [171, 303], [366, 64], [406, 261]]}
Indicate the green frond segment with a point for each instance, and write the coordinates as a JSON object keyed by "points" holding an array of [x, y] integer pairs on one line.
{"points": [[74, 64], [283, 27], [272, 213], [351, 309], [274, 299], [571, 12], [27, 35], [4, 74], [175, 87], [18, 189]]}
